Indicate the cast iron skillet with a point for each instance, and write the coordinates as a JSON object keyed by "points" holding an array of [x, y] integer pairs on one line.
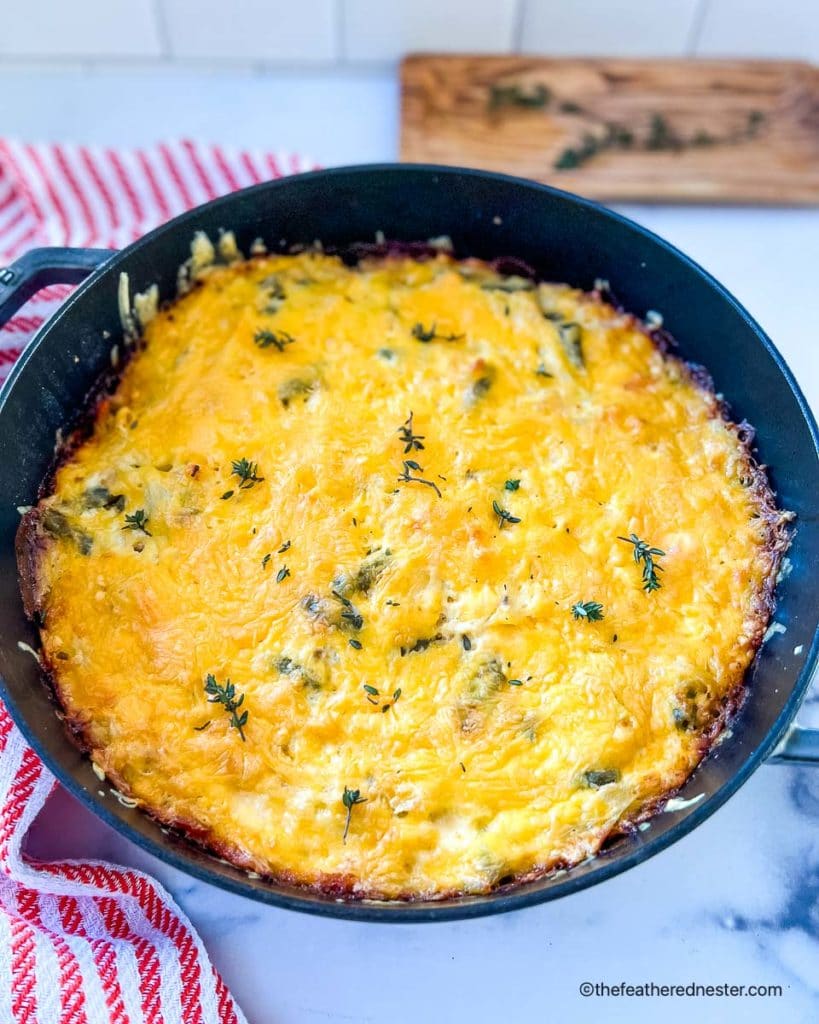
{"points": [[486, 215]]}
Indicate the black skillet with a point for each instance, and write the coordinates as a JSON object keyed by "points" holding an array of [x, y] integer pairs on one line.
{"points": [[487, 215]]}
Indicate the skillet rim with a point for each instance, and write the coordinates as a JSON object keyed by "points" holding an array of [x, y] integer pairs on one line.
{"points": [[202, 866]]}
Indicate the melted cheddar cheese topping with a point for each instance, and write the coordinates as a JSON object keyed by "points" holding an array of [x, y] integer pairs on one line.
{"points": [[385, 503]]}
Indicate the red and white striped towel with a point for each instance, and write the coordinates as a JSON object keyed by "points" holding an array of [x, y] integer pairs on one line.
{"points": [[82, 942], [98, 196]]}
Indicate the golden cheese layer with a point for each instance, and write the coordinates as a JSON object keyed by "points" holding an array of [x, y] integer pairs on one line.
{"points": [[401, 579]]}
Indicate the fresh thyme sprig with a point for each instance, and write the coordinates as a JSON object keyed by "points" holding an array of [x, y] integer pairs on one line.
{"points": [[350, 798], [138, 521], [426, 334], [410, 466], [504, 516], [661, 136], [590, 610], [282, 574], [411, 441], [647, 555], [513, 95], [226, 696], [409, 438], [248, 473], [275, 339], [511, 485]]}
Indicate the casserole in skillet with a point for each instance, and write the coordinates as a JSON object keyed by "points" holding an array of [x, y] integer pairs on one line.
{"points": [[401, 579]]}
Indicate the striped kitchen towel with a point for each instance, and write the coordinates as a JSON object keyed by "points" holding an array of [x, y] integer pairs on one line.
{"points": [[82, 942], [67, 194]]}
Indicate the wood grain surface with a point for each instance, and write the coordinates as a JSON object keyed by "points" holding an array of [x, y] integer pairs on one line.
{"points": [[650, 130]]}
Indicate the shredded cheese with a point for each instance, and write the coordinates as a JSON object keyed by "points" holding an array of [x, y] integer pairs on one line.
{"points": [[436, 466]]}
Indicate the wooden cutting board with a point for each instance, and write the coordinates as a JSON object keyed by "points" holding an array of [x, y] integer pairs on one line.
{"points": [[651, 130]]}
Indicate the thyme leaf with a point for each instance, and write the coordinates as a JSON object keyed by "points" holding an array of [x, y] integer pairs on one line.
{"points": [[349, 614]]}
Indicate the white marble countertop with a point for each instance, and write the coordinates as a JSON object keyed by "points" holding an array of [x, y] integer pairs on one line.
{"points": [[737, 901]]}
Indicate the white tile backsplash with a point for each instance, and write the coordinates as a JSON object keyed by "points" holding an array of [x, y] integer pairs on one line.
{"points": [[760, 28], [617, 28], [252, 30], [78, 28], [387, 29], [352, 32]]}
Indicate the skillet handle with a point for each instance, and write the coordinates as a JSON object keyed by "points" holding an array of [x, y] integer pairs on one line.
{"points": [[798, 746], [41, 267]]}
